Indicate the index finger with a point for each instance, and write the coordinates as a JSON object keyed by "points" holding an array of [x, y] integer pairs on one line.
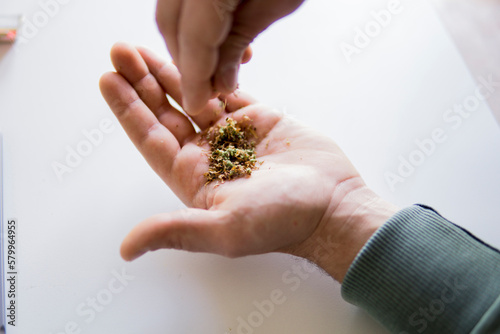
{"points": [[155, 142], [203, 28]]}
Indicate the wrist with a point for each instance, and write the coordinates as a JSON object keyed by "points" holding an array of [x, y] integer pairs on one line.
{"points": [[355, 214]]}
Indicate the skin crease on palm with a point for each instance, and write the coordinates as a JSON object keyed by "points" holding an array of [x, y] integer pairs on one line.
{"points": [[305, 190]]}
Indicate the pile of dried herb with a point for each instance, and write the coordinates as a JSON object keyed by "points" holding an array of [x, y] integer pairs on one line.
{"points": [[232, 153]]}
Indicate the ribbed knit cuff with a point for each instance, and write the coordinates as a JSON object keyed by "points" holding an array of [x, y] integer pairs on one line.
{"points": [[420, 273]]}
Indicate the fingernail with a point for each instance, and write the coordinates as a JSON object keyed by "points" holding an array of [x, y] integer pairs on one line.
{"points": [[186, 105], [230, 77]]}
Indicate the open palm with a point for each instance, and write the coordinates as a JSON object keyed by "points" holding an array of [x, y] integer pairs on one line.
{"points": [[279, 207]]}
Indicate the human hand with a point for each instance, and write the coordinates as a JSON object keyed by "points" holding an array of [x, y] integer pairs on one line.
{"points": [[305, 192], [208, 38]]}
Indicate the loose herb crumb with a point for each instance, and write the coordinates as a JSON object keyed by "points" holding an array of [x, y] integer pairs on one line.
{"points": [[232, 152]]}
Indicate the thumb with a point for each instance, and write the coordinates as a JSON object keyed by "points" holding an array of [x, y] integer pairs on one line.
{"points": [[194, 230]]}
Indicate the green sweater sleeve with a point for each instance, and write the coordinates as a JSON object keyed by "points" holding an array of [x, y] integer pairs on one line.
{"points": [[420, 273]]}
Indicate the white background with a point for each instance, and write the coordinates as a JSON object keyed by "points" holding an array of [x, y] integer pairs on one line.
{"points": [[394, 92]]}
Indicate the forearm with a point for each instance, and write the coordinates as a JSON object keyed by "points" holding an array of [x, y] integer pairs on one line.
{"points": [[420, 272]]}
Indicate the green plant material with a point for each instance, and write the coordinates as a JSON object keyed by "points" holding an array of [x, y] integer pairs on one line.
{"points": [[232, 153]]}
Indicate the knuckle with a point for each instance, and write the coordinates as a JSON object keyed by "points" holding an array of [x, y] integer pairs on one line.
{"points": [[177, 241], [232, 249], [240, 38], [159, 22], [205, 34]]}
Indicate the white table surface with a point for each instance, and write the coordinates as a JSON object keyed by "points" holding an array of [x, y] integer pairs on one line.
{"points": [[394, 92]]}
